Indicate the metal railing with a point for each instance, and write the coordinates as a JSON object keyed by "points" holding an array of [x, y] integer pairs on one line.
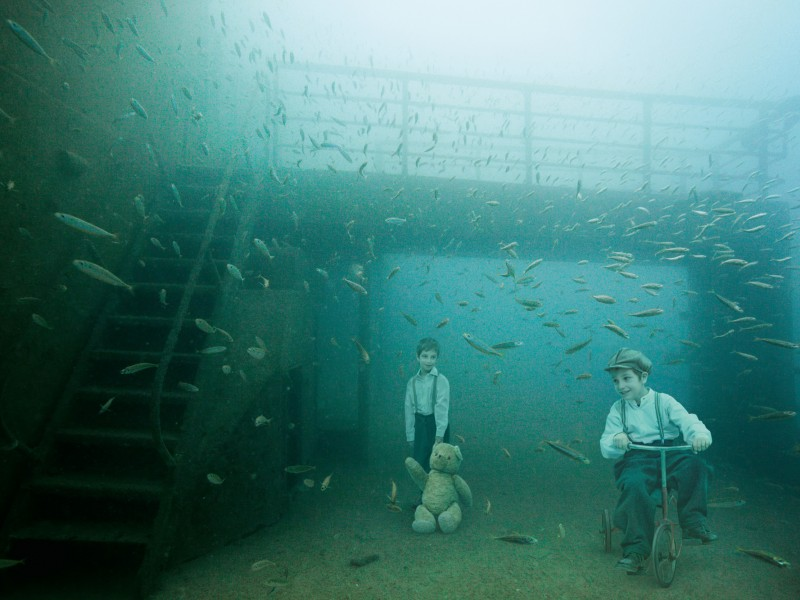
{"points": [[394, 122]]}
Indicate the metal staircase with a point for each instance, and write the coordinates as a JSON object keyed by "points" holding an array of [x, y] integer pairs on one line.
{"points": [[106, 470]]}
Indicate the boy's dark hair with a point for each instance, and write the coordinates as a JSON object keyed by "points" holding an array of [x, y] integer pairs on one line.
{"points": [[427, 344]]}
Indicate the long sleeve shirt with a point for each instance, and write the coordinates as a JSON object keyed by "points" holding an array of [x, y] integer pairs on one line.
{"points": [[642, 423], [419, 399]]}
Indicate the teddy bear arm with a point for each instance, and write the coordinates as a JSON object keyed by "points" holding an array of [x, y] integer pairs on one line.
{"points": [[417, 473], [463, 490]]}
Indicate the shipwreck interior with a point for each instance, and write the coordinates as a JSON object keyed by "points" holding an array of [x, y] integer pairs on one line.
{"points": [[175, 402]]}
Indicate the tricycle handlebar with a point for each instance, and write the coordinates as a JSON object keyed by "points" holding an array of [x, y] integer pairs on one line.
{"points": [[658, 448]]}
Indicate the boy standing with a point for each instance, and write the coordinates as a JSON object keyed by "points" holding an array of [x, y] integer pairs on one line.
{"points": [[427, 405], [644, 416]]}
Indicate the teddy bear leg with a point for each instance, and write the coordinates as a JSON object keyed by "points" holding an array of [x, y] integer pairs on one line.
{"points": [[450, 519], [424, 521]]}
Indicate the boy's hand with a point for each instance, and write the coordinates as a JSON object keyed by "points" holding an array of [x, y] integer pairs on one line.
{"points": [[621, 441], [700, 443]]}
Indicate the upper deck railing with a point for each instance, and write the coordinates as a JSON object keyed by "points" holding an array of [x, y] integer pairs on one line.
{"points": [[394, 122]]}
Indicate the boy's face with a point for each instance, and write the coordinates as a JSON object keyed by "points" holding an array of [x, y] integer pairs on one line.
{"points": [[427, 360], [630, 384]]}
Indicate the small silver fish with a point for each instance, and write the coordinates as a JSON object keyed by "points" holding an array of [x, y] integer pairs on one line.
{"points": [[40, 321], [135, 368], [213, 350], [136, 106], [84, 226], [235, 272]]}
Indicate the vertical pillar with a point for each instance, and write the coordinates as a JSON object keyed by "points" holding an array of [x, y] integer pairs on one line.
{"points": [[647, 141]]}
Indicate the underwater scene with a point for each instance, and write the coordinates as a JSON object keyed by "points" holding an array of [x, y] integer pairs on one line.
{"points": [[257, 255]]}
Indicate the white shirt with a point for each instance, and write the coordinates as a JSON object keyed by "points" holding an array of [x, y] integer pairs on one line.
{"points": [[642, 423], [426, 404]]}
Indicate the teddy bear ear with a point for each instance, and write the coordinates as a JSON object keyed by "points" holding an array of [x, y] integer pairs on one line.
{"points": [[458, 453]]}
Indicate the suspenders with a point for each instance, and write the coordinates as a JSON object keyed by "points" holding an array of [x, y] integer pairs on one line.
{"points": [[624, 421], [433, 393]]}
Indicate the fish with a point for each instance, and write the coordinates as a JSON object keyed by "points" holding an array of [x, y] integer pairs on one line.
{"points": [[779, 343], [157, 243], [84, 226], [488, 508], [204, 326], [260, 565], [516, 538], [7, 563], [162, 298], [79, 51], [777, 415], [772, 559], [29, 40], [567, 451], [603, 299], [532, 265], [326, 483], [578, 346], [145, 54], [100, 274], [136, 367], [442, 323], [188, 387], [138, 108], [394, 220], [257, 353], [725, 503], [361, 350], [40, 321], [393, 493], [176, 194], [7, 117], [505, 452], [409, 318], [480, 346], [106, 406], [261, 420], [213, 350], [729, 303], [745, 355], [650, 312], [338, 148], [234, 272], [262, 247], [355, 286], [611, 326], [507, 345], [215, 479], [297, 469]]}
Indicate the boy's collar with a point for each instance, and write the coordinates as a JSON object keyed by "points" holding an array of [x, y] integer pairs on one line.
{"points": [[644, 399], [434, 371]]}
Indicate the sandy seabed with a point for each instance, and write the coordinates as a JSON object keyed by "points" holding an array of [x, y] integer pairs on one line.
{"points": [[312, 547]]}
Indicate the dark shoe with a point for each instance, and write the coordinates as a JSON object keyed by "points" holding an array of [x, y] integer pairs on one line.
{"points": [[700, 532], [632, 564]]}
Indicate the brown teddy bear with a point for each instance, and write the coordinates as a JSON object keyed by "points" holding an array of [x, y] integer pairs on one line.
{"points": [[441, 489]]}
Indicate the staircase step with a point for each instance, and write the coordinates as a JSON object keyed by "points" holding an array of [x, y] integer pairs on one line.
{"points": [[136, 357], [98, 486], [85, 531], [123, 392], [108, 436]]}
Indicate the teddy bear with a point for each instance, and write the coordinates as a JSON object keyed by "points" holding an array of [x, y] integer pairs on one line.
{"points": [[442, 489]]}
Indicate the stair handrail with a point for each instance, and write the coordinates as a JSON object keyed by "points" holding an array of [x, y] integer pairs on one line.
{"points": [[180, 316]]}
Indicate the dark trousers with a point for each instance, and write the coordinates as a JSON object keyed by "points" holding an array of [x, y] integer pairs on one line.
{"points": [[424, 436], [638, 477]]}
